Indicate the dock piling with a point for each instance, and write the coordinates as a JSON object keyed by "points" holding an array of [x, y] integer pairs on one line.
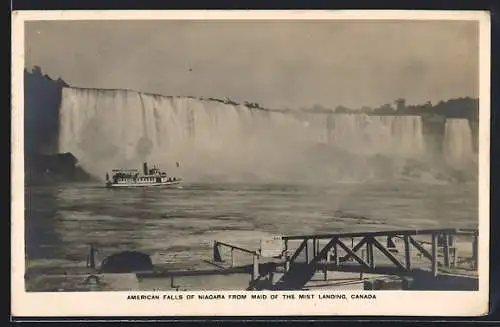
{"points": [[370, 258], [474, 251], [328, 260], [337, 258], [407, 252], [217, 256], [91, 259], [454, 251], [307, 251], [255, 270], [446, 250], [434, 255], [232, 258]]}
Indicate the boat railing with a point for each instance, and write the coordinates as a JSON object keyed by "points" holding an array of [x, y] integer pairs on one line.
{"points": [[125, 171]]}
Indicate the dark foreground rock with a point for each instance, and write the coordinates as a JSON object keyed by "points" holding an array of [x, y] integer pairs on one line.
{"points": [[126, 262], [54, 168]]}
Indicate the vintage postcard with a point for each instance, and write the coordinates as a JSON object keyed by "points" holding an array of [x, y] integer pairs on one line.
{"points": [[250, 163]]}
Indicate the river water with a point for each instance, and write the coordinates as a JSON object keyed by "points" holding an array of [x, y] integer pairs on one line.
{"points": [[180, 225]]}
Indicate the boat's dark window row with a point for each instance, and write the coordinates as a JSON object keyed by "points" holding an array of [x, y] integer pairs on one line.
{"points": [[146, 180], [140, 180]]}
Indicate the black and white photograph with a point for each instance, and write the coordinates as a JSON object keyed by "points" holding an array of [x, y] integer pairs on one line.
{"points": [[334, 158]]}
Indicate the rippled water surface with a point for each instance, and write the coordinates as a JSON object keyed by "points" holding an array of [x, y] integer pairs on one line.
{"points": [[180, 225]]}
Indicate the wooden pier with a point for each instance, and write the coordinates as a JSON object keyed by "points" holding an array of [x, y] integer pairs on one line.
{"points": [[400, 253], [427, 259]]}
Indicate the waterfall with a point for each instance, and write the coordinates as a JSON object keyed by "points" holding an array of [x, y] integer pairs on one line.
{"points": [[457, 145], [372, 135], [108, 129]]}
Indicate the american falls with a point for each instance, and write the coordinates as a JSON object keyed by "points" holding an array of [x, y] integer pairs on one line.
{"points": [[210, 138]]}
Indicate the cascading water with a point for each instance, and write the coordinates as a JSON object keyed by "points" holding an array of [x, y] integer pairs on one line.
{"points": [[108, 129], [371, 135], [115, 128], [457, 145]]}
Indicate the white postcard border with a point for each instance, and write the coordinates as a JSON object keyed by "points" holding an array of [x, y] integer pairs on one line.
{"points": [[387, 303]]}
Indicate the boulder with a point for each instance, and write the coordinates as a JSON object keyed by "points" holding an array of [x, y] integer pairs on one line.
{"points": [[126, 262]]}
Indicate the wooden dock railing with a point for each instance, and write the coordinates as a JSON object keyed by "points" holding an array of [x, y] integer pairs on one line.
{"points": [[217, 257], [367, 241], [335, 249], [295, 265]]}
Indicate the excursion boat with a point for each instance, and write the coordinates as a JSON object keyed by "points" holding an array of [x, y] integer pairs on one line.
{"points": [[134, 178]]}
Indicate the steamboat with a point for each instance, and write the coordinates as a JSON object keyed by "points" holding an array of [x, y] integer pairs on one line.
{"points": [[134, 178]]}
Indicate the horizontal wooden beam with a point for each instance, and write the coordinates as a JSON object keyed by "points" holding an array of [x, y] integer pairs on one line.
{"points": [[392, 233], [467, 231]]}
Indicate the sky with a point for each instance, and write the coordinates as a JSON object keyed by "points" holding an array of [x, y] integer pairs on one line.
{"points": [[291, 64]]}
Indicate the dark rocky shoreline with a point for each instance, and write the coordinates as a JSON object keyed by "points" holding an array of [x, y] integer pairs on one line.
{"points": [[42, 169]]}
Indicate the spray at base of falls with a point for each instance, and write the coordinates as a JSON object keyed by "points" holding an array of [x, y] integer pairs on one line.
{"points": [[108, 129], [458, 148]]}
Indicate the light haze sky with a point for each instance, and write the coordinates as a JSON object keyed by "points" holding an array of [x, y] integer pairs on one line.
{"points": [[277, 64]]}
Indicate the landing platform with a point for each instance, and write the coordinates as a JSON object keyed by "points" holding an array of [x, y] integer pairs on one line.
{"points": [[350, 261]]}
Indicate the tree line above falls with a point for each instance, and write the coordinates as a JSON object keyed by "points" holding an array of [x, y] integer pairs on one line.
{"points": [[463, 107]]}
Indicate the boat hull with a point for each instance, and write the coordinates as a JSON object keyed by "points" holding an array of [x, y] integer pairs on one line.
{"points": [[142, 185]]}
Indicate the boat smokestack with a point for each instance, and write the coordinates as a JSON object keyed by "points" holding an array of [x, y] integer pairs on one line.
{"points": [[145, 168]]}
